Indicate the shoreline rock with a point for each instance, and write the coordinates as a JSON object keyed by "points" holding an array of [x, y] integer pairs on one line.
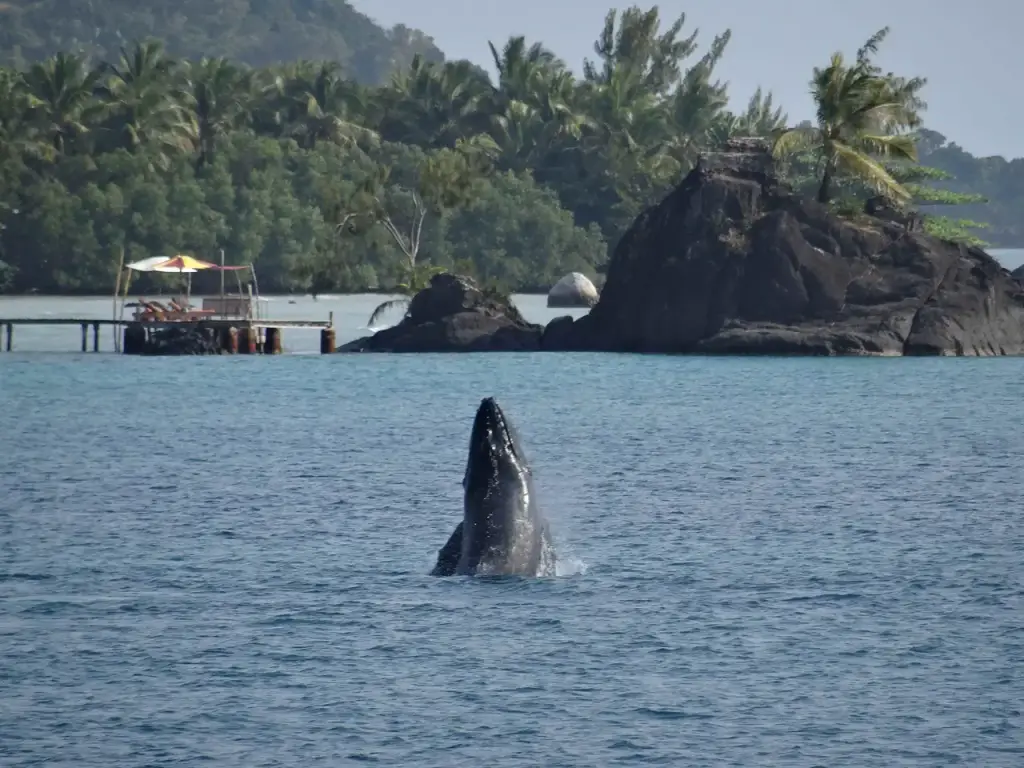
{"points": [[733, 262], [454, 315]]}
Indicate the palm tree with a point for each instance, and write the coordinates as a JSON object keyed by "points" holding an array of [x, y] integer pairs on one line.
{"points": [[324, 106], [218, 95], [435, 105], [696, 107], [860, 113], [61, 102], [522, 70], [531, 110], [18, 137], [146, 102], [653, 61]]}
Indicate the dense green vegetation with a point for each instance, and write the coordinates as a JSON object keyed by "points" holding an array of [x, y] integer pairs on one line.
{"points": [[328, 183], [999, 183], [258, 33]]}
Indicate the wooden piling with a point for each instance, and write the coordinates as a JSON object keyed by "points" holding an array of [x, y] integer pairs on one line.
{"points": [[247, 336], [134, 339], [326, 341], [229, 341], [272, 342], [247, 340]]}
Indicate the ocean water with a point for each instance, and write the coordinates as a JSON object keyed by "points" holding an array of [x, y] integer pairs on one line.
{"points": [[765, 562]]}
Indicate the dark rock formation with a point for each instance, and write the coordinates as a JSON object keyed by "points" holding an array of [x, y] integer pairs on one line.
{"points": [[453, 315], [734, 262], [1018, 273], [182, 340], [883, 208]]}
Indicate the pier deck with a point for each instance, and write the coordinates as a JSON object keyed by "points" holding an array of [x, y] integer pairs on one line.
{"points": [[255, 328], [215, 322]]}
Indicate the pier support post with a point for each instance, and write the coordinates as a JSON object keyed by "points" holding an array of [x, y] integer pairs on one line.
{"points": [[8, 334], [327, 341], [85, 337], [272, 342], [247, 340], [134, 339], [95, 337], [229, 341]]}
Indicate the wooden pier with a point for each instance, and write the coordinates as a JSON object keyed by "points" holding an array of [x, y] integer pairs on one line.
{"points": [[239, 336]]}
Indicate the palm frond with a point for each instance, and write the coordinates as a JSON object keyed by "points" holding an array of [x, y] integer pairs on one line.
{"points": [[900, 147], [386, 307], [794, 140], [870, 171]]}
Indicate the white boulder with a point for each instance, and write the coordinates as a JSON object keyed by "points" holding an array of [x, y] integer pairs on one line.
{"points": [[573, 290]]}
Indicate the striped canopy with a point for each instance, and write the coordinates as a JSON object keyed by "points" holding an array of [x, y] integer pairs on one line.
{"points": [[184, 263], [179, 263]]}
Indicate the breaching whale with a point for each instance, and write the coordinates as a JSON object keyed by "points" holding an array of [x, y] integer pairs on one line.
{"points": [[502, 532]]}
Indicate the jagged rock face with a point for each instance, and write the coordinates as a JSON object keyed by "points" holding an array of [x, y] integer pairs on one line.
{"points": [[453, 315], [733, 262], [573, 290]]}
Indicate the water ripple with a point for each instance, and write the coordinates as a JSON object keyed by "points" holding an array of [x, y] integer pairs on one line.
{"points": [[767, 562]]}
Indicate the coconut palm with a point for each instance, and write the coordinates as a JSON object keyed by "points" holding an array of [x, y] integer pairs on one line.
{"points": [[547, 120], [60, 99], [146, 102], [321, 105], [435, 105], [218, 94], [695, 108], [860, 113], [18, 138], [653, 61]]}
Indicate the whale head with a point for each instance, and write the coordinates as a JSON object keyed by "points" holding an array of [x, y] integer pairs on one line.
{"points": [[498, 514], [495, 452]]}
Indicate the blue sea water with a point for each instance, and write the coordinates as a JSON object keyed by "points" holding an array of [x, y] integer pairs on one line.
{"points": [[766, 562]]}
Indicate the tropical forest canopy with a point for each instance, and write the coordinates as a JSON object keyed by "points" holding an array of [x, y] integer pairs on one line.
{"points": [[331, 178], [257, 33]]}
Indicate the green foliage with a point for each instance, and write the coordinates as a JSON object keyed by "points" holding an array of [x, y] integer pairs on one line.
{"points": [[257, 32], [999, 182], [516, 237], [861, 115], [329, 175], [957, 230], [328, 184], [850, 192]]}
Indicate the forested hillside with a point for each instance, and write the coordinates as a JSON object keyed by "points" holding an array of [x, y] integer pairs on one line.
{"points": [[998, 180], [328, 183], [254, 32]]}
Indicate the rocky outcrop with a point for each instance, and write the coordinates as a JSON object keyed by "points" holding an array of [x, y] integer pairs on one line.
{"points": [[734, 262], [453, 315], [573, 291], [1018, 273]]}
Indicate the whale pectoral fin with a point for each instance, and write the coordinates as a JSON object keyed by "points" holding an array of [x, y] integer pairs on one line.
{"points": [[448, 556]]}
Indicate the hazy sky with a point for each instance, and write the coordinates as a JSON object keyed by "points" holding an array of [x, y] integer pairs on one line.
{"points": [[969, 51]]}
